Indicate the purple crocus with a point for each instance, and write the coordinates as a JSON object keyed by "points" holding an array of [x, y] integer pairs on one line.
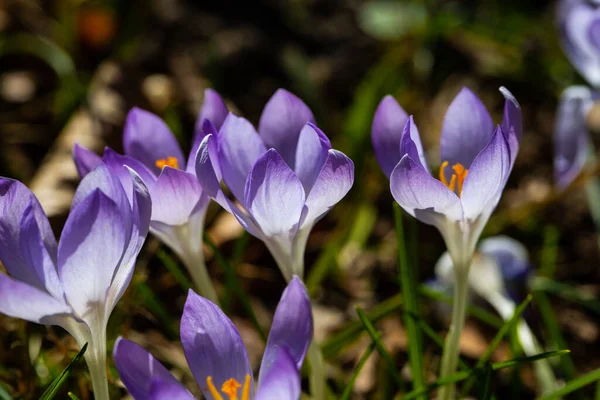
{"points": [[571, 135], [285, 177], [217, 356], [179, 203], [476, 162], [579, 25], [76, 283]]}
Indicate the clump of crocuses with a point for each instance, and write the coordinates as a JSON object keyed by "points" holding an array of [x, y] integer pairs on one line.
{"points": [[179, 201], [476, 161], [76, 282], [285, 176], [217, 356]]}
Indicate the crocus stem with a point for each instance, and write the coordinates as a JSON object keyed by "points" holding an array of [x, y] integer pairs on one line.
{"points": [[452, 343], [194, 262], [317, 372], [96, 362]]}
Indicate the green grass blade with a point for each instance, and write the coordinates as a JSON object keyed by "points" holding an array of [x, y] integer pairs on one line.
{"points": [[486, 393], [566, 292], [61, 379], [332, 346], [156, 307], [380, 347], [507, 327], [174, 269], [459, 376], [408, 283], [359, 366], [4, 394], [574, 385], [72, 396], [236, 287], [521, 360]]}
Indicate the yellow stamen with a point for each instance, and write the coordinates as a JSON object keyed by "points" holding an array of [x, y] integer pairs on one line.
{"points": [[246, 389], [169, 161], [230, 388], [442, 175], [457, 179], [212, 389]]}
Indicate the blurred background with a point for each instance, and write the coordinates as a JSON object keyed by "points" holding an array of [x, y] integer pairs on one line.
{"points": [[70, 71]]}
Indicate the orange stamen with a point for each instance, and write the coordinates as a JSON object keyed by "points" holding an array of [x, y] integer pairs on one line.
{"points": [[457, 179], [212, 389], [169, 161], [246, 389], [230, 387]]}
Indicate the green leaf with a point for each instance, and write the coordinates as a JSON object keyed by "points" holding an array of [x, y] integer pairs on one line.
{"points": [[384, 19], [72, 396], [359, 366], [61, 379], [566, 292], [521, 360], [174, 269], [157, 308], [380, 347], [408, 283], [574, 385]]}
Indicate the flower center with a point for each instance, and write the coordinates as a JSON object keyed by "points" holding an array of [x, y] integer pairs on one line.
{"points": [[169, 161], [230, 388], [457, 179]]}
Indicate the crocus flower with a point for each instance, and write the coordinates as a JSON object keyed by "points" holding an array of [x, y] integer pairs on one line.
{"points": [[76, 283], [285, 177], [179, 203], [501, 262], [571, 135], [217, 357], [476, 162], [579, 25]]}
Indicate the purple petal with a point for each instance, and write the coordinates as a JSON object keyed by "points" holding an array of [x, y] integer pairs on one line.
{"points": [[282, 382], [118, 165], [274, 195], [311, 154], [467, 129], [386, 133], [487, 176], [510, 255], [161, 390], [211, 343], [423, 196], [147, 138], [206, 175], [20, 300], [333, 183], [207, 129], [85, 160], [239, 148], [27, 243], [281, 121], [213, 110], [292, 328], [91, 246], [512, 123], [137, 368], [411, 143], [579, 24], [571, 136], [175, 197]]}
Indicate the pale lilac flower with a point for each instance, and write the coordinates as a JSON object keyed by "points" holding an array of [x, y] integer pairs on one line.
{"points": [[285, 177], [579, 25], [571, 135], [179, 203], [77, 283], [476, 162], [217, 356]]}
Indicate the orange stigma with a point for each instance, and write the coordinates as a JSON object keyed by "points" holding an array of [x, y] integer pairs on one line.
{"points": [[230, 387], [169, 161], [458, 177]]}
